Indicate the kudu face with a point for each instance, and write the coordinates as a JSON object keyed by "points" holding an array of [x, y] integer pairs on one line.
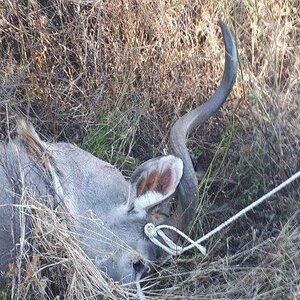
{"points": [[113, 234], [109, 214]]}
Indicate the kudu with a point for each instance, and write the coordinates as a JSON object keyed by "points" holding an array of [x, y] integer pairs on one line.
{"points": [[161, 190]]}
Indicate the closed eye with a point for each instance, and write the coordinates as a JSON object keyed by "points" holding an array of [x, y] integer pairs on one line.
{"points": [[139, 267]]}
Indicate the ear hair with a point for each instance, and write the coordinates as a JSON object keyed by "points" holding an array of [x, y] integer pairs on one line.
{"points": [[148, 200], [154, 181], [37, 149]]}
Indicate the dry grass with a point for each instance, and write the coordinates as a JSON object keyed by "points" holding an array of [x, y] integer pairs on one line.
{"points": [[120, 73], [50, 262]]}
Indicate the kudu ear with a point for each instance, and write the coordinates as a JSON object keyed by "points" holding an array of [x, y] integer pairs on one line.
{"points": [[154, 181]]}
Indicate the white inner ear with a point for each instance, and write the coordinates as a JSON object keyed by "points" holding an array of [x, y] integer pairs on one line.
{"points": [[151, 198]]}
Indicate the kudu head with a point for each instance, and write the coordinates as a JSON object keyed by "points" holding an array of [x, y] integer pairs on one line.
{"points": [[110, 213], [164, 190]]}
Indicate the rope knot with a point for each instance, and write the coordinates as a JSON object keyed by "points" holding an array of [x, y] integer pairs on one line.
{"points": [[150, 230]]}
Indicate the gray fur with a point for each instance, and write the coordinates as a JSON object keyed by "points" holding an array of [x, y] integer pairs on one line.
{"points": [[92, 191]]}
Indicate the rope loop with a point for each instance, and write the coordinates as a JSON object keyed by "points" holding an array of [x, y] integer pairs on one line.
{"points": [[170, 247], [153, 233]]}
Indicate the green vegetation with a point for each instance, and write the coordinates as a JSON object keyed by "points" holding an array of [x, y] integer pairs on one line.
{"points": [[108, 143], [104, 142]]}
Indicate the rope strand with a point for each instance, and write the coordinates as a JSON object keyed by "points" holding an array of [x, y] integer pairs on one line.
{"points": [[170, 247]]}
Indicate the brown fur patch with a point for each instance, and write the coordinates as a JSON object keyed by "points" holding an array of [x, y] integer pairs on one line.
{"points": [[156, 215], [165, 182], [148, 183], [141, 187]]}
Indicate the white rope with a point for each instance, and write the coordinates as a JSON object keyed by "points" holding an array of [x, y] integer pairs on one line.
{"points": [[170, 247]]}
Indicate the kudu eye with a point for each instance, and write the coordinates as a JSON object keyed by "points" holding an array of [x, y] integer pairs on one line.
{"points": [[139, 266]]}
